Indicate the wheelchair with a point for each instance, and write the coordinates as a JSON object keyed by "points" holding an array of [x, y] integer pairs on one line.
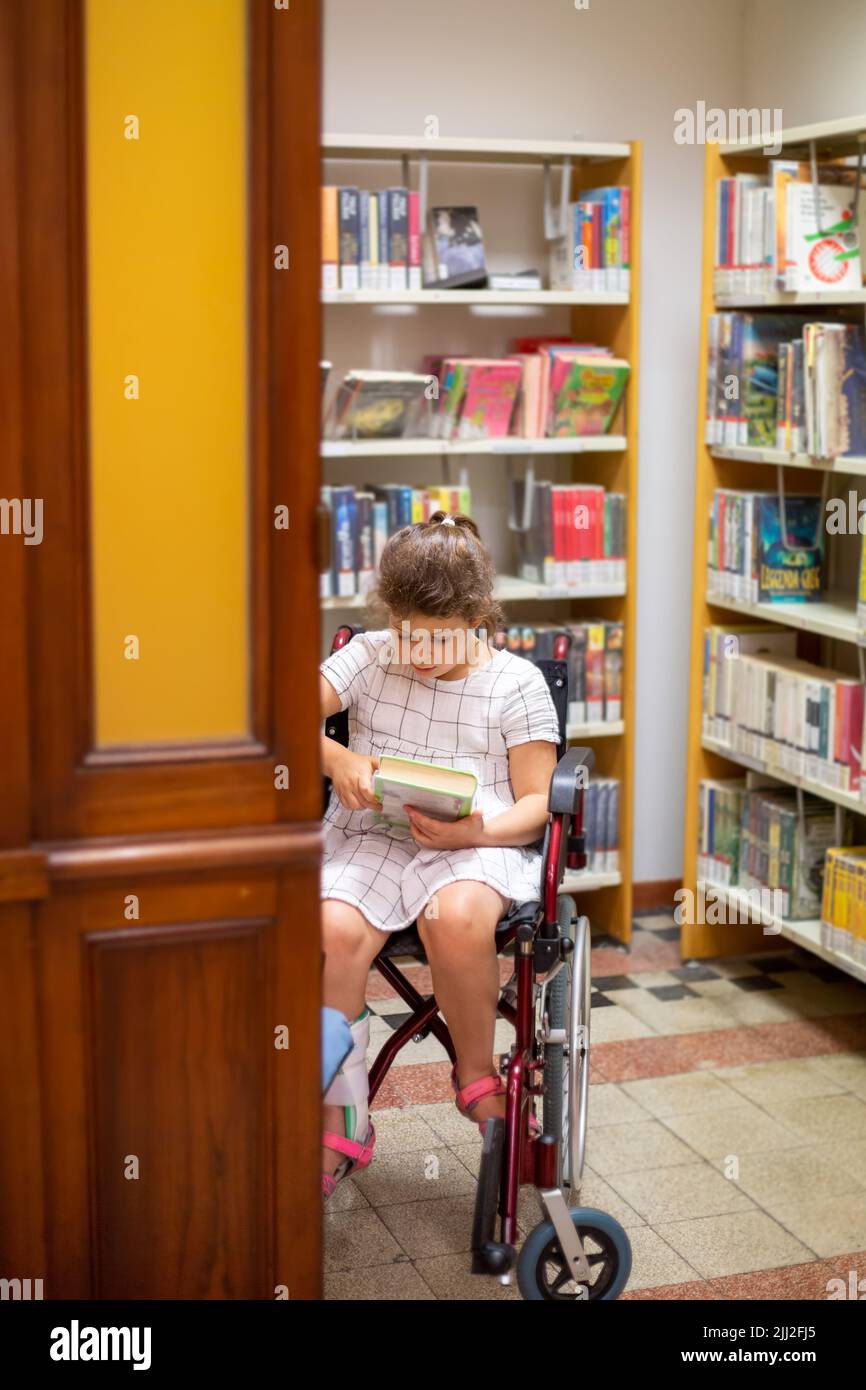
{"points": [[576, 1253]]}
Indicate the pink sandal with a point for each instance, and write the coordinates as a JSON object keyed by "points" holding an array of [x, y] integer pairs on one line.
{"points": [[470, 1095], [357, 1157]]}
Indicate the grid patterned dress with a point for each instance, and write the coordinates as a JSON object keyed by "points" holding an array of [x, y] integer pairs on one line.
{"points": [[468, 724]]}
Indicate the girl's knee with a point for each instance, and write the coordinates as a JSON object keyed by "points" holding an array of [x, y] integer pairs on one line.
{"points": [[344, 930]]}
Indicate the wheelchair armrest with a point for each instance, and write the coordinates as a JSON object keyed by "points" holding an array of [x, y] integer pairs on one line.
{"points": [[570, 778]]}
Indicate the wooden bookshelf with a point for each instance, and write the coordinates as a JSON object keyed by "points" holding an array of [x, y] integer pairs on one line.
{"points": [[610, 318], [716, 466]]}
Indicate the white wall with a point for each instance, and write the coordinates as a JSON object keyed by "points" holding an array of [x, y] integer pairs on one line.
{"points": [[616, 71], [807, 59]]}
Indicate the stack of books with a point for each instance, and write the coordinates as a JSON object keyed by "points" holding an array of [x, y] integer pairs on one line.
{"points": [[362, 521], [762, 839], [843, 908], [786, 715], [593, 650], [601, 825], [370, 241], [748, 557], [571, 535], [775, 382], [771, 236], [593, 254]]}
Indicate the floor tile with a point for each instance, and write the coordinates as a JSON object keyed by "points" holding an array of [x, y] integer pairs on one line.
{"points": [[355, 1239], [678, 1194], [401, 1130], [828, 1225], [852, 1158], [823, 1119], [678, 1095], [674, 1293], [684, 1016], [393, 1178], [609, 1105], [733, 1131], [776, 1081], [614, 1025], [394, 1283], [816, 1280], [616, 1149], [846, 1069], [654, 1262], [786, 1177], [449, 1278], [733, 1244], [442, 1226]]}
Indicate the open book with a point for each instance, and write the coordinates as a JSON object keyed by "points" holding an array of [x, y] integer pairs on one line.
{"points": [[445, 793]]}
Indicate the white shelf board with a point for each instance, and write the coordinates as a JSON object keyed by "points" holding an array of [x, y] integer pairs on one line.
{"points": [[806, 934], [412, 448], [852, 464], [578, 732], [469, 149], [840, 135], [585, 881], [509, 588], [779, 299], [834, 619], [849, 800], [537, 298]]}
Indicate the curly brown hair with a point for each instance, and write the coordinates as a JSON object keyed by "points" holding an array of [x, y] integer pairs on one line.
{"points": [[440, 568]]}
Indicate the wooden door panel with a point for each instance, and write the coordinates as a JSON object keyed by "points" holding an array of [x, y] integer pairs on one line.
{"points": [[158, 1044]]}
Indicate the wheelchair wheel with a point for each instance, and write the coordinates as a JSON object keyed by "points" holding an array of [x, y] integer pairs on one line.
{"points": [[566, 1062], [543, 1274]]}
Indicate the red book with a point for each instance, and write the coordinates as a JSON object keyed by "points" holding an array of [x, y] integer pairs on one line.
{"points": [[415, 241]]}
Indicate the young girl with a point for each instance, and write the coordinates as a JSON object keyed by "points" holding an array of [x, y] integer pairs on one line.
{"points": [[467, 706]]}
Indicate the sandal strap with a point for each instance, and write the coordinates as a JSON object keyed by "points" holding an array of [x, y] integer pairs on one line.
{"points": [[360, 1153], [477, 1090]]}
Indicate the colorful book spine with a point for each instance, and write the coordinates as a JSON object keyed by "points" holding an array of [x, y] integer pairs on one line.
{"points": [[330, 239], [350, 238]]}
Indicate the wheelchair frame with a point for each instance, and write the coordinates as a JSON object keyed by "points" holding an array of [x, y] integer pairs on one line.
{"points": [[512, 1156]]}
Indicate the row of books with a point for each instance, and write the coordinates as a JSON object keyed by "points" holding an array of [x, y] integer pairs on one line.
{"points": [[763, 839], [571, 535], [788, 716], [843, 909], [594, 251], [545, 387], [593, 650], [753, 558], [362, 521], [771, 234], [370, 241], [776, 382], [601, 825]]}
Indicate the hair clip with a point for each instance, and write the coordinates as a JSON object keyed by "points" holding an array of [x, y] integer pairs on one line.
{"points": [[447, 521]]}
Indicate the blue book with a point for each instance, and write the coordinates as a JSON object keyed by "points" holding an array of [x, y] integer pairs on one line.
{"points": [[790, 567]]}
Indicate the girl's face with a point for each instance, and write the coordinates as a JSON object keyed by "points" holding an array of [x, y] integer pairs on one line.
{"points": [[435, 646]]}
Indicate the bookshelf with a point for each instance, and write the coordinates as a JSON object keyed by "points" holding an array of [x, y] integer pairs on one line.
{"points": [[828, 628], [363, 323]]}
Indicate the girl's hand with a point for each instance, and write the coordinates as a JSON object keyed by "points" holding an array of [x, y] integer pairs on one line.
{"points": [[440, 834], [352, 780]]}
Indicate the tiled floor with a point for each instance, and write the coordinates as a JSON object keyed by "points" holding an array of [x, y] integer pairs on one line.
{"points": [[727, 1134]]}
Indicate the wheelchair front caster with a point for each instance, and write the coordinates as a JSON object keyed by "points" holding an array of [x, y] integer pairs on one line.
{"points": [[542, 1271]]}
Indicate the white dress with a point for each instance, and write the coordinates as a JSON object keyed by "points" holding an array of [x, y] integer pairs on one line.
{"points": [[468, 724]]}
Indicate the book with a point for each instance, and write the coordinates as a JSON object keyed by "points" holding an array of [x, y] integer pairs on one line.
{"points": [[823, 251], [458, 244], [379, 405], [587, 400], [748, 557], [330, 240], [349, 212], [443, 793], [398, 238]]}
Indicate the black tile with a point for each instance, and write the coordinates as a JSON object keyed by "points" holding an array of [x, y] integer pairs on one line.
{"points": [[599, 1001], [665, 933], [775, 965], [670, 992], [609, 982], [688, 973], [753, 984], [394, 1020], [829, 974]]}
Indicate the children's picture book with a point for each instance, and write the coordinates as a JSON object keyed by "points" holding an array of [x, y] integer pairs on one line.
{"points": [[823, 244], [587, 400], [444, 793]]}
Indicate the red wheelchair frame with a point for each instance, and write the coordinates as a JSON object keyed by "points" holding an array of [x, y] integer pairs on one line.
{"points": [[512, 1155]]}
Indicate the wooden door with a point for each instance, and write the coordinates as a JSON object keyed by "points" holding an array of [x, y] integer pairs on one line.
{"points": [[159, 839]]}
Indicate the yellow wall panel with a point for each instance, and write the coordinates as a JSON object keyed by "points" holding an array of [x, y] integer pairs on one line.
{"points": [[167, 303]]}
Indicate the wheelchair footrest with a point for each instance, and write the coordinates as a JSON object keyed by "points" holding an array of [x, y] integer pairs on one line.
{"points": [[487, 1196]]}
